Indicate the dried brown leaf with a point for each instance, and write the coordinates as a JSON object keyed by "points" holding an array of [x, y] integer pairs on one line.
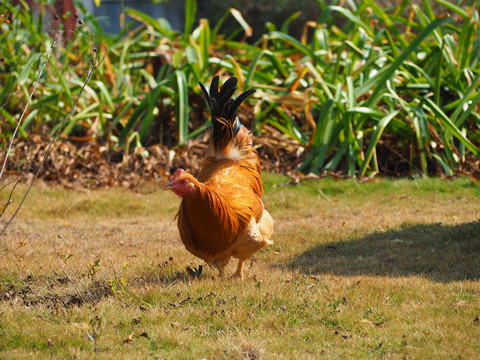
{"points": [[374, 324], [129, 340]]}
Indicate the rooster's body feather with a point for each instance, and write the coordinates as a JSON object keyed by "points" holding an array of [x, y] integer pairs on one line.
{"points": [[221, 214]]}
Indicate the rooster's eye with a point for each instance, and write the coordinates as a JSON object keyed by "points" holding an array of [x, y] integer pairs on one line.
{"points": [[184, 182]]}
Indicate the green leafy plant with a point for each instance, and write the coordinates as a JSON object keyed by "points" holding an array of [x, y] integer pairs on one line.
{"points": [[94, 330], [93, 269], [386, 89], [119, 286], [195, 272]]}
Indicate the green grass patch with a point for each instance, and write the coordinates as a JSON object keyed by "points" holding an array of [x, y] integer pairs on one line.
{"points": [[387, 268]]}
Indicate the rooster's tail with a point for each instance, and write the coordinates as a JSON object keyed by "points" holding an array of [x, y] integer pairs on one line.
{"points": [[229, 138]]}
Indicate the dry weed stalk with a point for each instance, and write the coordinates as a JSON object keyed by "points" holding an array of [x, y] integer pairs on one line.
{"points": [[64, 258], [35, 84], [94, 63]]}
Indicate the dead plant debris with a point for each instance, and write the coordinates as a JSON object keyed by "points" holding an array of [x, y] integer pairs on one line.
{"points": [[94, 163]]}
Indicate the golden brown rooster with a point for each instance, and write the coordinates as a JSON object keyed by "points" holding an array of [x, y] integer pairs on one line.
{"points": [[221, 214]]}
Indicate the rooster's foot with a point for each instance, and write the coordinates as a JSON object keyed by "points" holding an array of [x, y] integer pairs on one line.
{"points": [[239, 273]]}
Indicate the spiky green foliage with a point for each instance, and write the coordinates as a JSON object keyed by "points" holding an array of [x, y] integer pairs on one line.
{"points": [[403, 82]]}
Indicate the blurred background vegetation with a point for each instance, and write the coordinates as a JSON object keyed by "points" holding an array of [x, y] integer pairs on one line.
{"points": [[359, 88], [263, 16]]}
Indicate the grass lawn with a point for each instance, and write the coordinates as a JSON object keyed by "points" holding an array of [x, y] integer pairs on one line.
{"points": [[384, 269]]}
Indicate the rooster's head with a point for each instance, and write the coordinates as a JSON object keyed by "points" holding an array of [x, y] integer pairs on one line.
{"points": [[180, 183]]}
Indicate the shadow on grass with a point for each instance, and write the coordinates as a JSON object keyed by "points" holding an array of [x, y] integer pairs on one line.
{"points": [[30, 293], [167, 273], [60, 293], [439, 252]]}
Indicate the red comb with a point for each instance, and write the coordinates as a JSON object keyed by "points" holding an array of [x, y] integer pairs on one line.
{"points": [[177, 174]]}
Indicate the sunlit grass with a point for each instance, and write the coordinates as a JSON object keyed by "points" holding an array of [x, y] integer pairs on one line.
{"points": [[389, 268]]}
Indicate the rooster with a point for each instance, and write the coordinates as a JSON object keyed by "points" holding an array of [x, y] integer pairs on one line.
{"points": [[222, 214]]}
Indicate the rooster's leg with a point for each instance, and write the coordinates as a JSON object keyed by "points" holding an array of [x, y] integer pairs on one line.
{"points": [[239, 273], [220, 264]]}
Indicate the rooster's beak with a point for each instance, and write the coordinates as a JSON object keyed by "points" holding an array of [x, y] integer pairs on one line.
{"points": [[167, 186]]}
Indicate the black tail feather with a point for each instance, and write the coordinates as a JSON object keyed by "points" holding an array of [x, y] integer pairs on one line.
{"points": [[223, 106], [214, 87], [240, 98], [205, 93]]}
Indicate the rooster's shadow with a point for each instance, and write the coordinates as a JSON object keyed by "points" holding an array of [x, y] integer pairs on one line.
{"points": [[442, 253]]}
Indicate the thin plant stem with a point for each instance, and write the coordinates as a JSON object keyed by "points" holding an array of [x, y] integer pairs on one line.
{"points": [[9, 201], [26, 107], [12, 250], [65, 272], [94, 66]]}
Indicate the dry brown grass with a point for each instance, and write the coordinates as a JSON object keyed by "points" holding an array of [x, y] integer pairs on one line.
{"points": [[378, 270]]}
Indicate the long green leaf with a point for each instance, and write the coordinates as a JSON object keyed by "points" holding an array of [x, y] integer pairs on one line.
{"points": [[133, 120], [353, 18], [321, 139], [296, 44], [106, 94], [153, 100], [181, 106], [238, 16], [147, 20], [450, 126], [190, 13], [446, 168], [453, 7], [374, 140], [387, 20]]}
